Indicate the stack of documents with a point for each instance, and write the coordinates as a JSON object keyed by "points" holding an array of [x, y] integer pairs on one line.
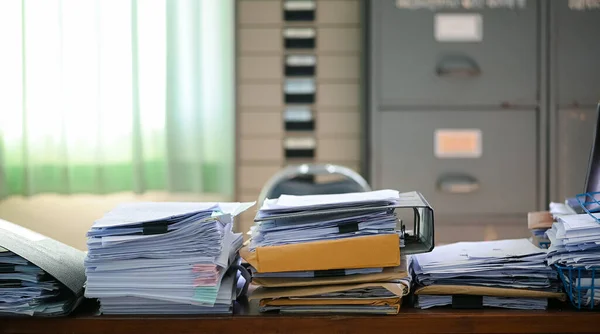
{"points": [[165, 258], [575, 243], [503, 273], [538, 223], [38, 276], [329, 253]]}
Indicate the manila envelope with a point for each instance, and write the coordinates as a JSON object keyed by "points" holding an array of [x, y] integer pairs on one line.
{"points": [[348, 253], [331, 301], [397, 289], [486, 291], [387, 275], [539, 220]]}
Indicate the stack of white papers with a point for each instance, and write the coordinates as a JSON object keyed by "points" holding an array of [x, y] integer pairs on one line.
{"points": [[26, 289], [302, 220], [575, 243], [512, 264], [149, 258], [296, 219], [427, 301]]}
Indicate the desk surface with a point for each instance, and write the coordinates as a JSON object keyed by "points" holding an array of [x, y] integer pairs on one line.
{"points": [[247, 320]]}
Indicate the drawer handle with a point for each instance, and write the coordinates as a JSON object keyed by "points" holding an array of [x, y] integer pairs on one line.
{"points": [[457, 66], [458, 184]]}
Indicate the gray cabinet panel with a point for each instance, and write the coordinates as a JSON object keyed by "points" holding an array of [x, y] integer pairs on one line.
{"points": [[505, 172], [415, 69], [577, 54], [575, 138]]}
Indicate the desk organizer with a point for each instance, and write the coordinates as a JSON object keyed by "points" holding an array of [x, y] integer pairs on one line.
{"points": [[579, 285]]}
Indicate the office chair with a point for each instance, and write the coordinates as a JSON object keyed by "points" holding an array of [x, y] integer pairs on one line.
{"points": [[299, 180]]}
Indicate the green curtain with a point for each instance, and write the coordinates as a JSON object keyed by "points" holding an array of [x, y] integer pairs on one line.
{"points": [[101, 96]]}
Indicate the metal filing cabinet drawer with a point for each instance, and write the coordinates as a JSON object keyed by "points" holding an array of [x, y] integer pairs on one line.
{"points": [[338, 67], [499, 177], [261, 123], [338, 12], [261, 150], [418, 65], [259, 12], [267, 95], [253, 178], [575, 137], [338, 39], [577, 54], [332, 124], [260, 67], [338, 95], [260, 40], [338, 149]]}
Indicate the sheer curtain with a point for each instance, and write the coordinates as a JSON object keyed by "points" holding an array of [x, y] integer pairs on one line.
{"points": [[100, 96]]}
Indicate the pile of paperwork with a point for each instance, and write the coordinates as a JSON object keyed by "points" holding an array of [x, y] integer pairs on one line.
{"points": [[502, 273], [330, 253], [38, 275], [575, 249], [165, 258]]}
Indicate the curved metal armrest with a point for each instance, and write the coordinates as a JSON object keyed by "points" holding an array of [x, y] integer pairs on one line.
{"points": [[294, 171]]}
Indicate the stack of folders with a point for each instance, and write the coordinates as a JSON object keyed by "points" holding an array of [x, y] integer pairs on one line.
{"points": [[165, 258], [504, 273], [538, 223], [575, 242], [38, 276], [329, 253]]}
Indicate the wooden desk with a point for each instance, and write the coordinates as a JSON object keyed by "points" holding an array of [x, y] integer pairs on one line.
{"points": [[247, 320]]}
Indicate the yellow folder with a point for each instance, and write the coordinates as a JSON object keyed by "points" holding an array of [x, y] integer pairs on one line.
{"points": [[348, 253], [487, 291], [387, 275]]}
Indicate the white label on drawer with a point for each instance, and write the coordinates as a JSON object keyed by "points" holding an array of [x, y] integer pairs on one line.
{"points": [[299, 86], [299, 5], [296, 143], [299, 33], [458, 28], [457, 143], [301, 60], [298, 114]]}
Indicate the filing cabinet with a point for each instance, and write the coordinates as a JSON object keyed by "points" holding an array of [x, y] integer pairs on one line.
{"points": [[253, 177], [574, 139], [298, 88], [577, 53], [260, 150], [259, 12], [455, 109], [575, 88], [260, 124], [338, 149], [497, 177], [260, 40], [338, 40], [260, 95], [345, 67], [260, 67], [339, 123], [421, 61], [338, 12], [338, 95]]}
